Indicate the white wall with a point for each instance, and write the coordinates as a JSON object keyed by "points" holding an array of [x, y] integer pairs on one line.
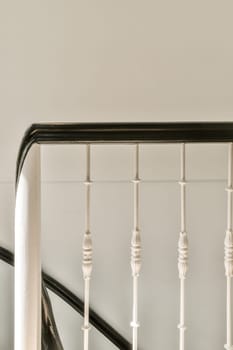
{"points": [[121, 61]]}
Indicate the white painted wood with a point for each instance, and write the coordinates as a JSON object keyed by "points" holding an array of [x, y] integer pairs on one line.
{"points": [[136, 252], [28, 255], [228, 247], [87, 253], [182, 250]]}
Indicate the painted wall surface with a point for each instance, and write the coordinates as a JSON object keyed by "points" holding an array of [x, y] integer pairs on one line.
{"points": [[121, 61]]}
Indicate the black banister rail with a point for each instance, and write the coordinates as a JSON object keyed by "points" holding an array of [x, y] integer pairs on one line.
{"points": [[129, 133], [69, 133]]}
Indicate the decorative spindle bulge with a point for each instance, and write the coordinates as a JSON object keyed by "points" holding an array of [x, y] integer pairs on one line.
{"points": [[183, 255], [136, 253], [87, 255], [228, 245]]}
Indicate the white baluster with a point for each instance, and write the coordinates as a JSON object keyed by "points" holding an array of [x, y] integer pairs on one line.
{"points": [[182, 250], [87, 254], [228, 247], [136, 252]]}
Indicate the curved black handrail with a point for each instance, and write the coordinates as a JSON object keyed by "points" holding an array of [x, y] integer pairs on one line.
{"points": [[122, 133], [76, 303]]}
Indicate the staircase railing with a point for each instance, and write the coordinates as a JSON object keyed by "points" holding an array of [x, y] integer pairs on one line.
{"points": [[27, 215]]}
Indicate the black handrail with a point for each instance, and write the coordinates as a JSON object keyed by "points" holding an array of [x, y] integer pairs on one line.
{"points": [[69, 133], [76, 303]]}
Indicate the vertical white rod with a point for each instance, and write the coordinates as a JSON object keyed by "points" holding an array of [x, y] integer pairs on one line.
{"points": [[182, 188], [135, 252], [87, 253], [182, 250], [136, 189], [27, 333], [228, 259]]}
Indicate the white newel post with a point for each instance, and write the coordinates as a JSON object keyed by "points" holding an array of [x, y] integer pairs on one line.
{"points": [[135, 253], [182, 250], [87, 253], [228, 245], [28, 255]]}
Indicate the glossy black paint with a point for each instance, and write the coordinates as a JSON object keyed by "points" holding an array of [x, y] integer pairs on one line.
{"points": [[48, 322]]}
